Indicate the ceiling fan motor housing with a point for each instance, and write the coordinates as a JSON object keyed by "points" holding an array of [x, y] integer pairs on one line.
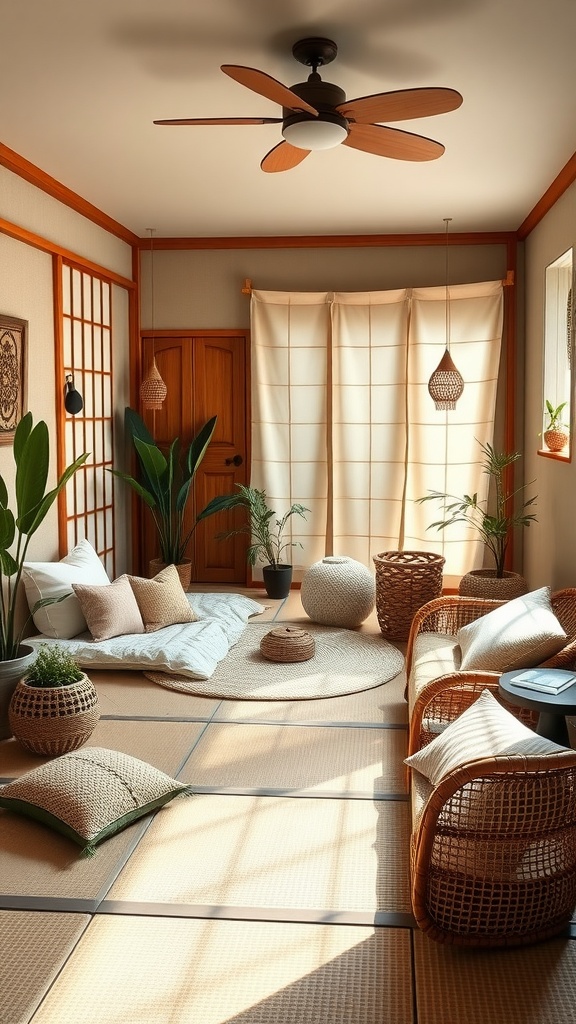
{"points": [[305, 131]]}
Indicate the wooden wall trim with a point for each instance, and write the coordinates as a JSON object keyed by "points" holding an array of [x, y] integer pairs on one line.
{"points": [[551, 196], [30, 172], [330, 241], [45, 245]]}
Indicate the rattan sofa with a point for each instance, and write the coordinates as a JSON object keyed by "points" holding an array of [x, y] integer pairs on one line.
{"points": [[493, 850]]}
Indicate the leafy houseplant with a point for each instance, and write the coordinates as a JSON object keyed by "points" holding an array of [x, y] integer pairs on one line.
{"points": [[494, 529], [55, 708], [54, 666], [32, 458], [166, 482], [555, 432], [266, 530]]}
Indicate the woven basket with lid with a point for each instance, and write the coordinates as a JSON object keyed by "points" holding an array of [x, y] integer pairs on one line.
{"points": [[288, 643]]}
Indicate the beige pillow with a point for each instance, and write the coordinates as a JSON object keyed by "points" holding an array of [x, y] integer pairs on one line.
{"points": [[111, 610], [520, 634], [162, 601], [485, 729], [90, 794]]}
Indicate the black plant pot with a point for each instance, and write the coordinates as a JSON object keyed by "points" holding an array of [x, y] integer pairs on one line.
{"points": [[277, 580]]}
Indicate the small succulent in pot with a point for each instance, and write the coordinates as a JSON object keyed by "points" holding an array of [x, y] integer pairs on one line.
{"points": [[53, 667]]}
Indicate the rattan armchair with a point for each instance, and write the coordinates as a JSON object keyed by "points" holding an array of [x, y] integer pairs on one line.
{"points": [[493, 857], [448, 696]]}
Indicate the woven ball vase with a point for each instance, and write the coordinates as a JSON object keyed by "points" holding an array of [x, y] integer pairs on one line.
{"points": [[338, 591], [52, 720], [288, 643]]}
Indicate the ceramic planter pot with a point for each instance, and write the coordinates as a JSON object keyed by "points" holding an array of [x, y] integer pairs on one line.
{"points": [[10, 674], [52, 720], [277, 580], [555, 440]]}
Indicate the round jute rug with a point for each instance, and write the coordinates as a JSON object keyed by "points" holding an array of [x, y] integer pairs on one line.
{"points": [[345, 661]]}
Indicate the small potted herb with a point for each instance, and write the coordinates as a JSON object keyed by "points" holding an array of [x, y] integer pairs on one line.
{"points": [[555, 431], [55, 708]]}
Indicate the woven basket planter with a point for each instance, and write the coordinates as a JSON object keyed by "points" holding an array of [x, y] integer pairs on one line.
{"points": [[555, 440], [184, 570], [53, 720], [288, 643], [485, 583], [405, 580]]}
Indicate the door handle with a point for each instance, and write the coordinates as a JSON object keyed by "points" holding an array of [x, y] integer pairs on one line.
{"points": [[237, 460]]}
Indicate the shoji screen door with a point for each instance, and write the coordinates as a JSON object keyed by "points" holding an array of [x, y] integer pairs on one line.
{"points": [[87, 355]]}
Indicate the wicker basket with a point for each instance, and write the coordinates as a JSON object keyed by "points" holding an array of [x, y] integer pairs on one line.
{"points": [[289, 643], [405, 580], [485, 583], [53, 720]]}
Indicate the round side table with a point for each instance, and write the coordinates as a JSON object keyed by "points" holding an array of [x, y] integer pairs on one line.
{"points": [[552, 707]]}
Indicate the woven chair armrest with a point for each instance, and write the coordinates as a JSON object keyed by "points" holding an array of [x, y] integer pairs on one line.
{"points": [[446, 615], [444, 699], [528, 783], [566, 658]]}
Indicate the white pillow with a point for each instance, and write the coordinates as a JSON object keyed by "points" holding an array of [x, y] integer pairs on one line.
{"points": [[54, 579], [485, 729], [520, 634]]}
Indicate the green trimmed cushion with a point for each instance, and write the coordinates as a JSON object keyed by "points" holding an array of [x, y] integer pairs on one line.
{"points": [[90, 794]]}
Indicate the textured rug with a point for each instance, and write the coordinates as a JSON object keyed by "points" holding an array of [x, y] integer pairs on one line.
{"points": [[345, 661]]}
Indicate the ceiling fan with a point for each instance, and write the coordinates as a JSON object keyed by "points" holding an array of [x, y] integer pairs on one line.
{"points": [[317, 115]]}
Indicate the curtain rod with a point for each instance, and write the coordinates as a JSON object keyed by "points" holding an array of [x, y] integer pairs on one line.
{"points": [[508, 280]]}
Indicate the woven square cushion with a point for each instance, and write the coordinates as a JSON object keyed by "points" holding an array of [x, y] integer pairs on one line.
{"points": [[484, 730], [53, 580], [110, 610], [520, 634], [90, 794], [161, 600]]}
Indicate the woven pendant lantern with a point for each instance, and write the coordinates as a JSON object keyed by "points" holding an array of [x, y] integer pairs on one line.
{"points": [[446, 384], [153, 390]]}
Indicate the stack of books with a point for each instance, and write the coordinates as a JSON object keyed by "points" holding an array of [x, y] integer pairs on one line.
{"points": [[545, 680]]}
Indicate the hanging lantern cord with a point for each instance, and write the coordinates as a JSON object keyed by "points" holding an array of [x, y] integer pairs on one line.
{"points": [[153, 390], [446, 383]]}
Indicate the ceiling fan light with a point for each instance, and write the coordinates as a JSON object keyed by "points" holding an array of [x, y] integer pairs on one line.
{"points": [[323, 132]]}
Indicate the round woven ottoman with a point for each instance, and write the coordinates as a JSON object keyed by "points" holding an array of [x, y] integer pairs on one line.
{"points": [[338, 591], [288, 643]]}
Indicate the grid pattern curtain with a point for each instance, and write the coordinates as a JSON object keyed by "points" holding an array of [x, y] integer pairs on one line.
{"points": [[343, 422]]}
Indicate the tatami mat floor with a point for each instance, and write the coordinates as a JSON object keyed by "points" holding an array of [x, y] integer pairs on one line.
{"points": [[277, 895]]}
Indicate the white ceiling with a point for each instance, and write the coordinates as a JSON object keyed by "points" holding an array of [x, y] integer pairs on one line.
{"points": [[82, 83]]}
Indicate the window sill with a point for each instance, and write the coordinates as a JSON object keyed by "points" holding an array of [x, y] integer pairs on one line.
{"points": [[563, 456]]}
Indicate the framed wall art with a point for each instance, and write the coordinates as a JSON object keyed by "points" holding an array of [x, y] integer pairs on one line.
{"points": [[13, 370]]}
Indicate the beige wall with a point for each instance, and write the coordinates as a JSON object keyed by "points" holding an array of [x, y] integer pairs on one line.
{"points": [[26, 292], [550, 545], [201, 288]]}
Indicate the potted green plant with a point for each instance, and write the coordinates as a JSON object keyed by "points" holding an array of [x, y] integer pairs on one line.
{"points": [[55, 708], [267, 533], [494, 527], [32, 502], [165, 487], [555, 431]]}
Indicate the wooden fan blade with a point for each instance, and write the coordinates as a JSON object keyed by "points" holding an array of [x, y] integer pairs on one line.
{"points": [[267, 86], [400, 106], [392, 142], [221, 120], [283, 157]]}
